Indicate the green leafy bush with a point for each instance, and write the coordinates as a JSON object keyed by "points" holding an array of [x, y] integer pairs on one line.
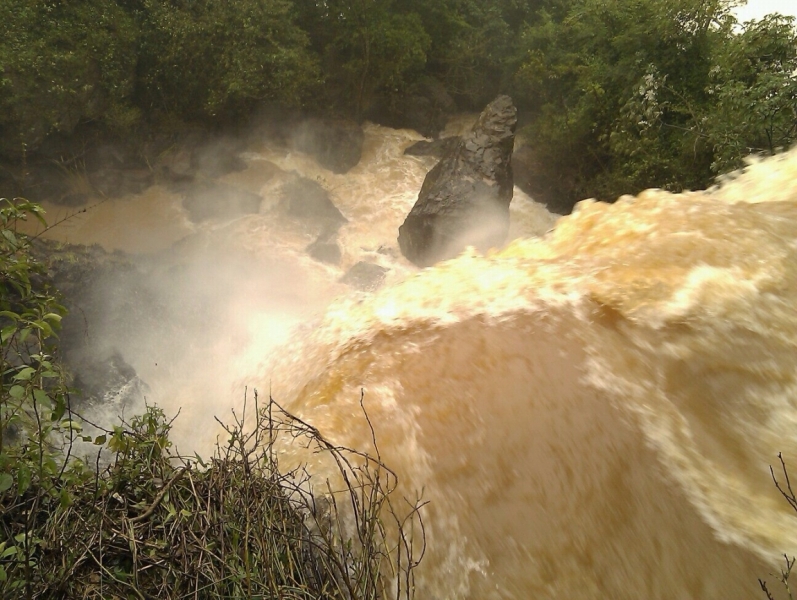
{"points": [[210, 58], [627, 95], [62, 63], [754, 86], [140, 521]]}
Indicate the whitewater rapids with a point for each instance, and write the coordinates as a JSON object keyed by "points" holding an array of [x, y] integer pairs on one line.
{"points": [[591, 413]]}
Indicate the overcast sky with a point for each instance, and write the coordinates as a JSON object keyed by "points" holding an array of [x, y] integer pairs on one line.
{"points": [[756, 9]]}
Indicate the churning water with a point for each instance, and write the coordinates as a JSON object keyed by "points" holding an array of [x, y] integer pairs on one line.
{"points": [[591, 413]]}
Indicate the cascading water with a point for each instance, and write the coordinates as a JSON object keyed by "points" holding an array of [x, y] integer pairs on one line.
{"points": [[591, 413]]}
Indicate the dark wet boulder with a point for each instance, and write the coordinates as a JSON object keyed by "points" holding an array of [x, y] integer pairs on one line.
{"points": [[542, 186], [325, 249], [217, 157], [107, 299], [198, 155], [437, 148], [212, 200], [465, 198], [306, 200], [436, 92], [365, 276], [336, 144], [175, 166], [108, 381]]}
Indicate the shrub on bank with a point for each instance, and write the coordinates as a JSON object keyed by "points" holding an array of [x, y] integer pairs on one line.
{"points": [[138, 520]]}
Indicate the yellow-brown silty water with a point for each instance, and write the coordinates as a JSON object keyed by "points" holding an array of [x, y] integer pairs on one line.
{"points": [[592, 413]]}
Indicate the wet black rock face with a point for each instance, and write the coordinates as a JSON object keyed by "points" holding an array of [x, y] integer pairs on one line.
{"points": [[109, 382], [102, 291], [544, 187], [465, 198]]}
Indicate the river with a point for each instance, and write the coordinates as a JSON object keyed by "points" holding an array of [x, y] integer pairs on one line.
{"points": [[591, 411]]}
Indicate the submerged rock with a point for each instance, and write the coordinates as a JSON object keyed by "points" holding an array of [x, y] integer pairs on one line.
{"points": [[306, 200], [121, 182], [465, 198], [336, 144], [218, 157], [365, 276], [211, 200], [325, 249]]}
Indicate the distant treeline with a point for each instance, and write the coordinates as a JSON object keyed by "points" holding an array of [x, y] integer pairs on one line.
{"points": [[615, 95]]}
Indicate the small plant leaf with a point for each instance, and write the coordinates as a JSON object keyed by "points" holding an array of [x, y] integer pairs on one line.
{"points": [[26, 373], [41, 396], [66, 498], [6, 481], [23, 479]]}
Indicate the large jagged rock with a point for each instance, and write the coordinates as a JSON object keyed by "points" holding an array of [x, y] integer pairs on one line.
{"points": [[465, 198]]}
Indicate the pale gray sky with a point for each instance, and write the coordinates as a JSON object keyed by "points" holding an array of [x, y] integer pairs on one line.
{"points": [[756, 9]]}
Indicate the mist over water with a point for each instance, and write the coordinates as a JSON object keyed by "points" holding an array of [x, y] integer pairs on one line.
{"points": [[591, 413]]}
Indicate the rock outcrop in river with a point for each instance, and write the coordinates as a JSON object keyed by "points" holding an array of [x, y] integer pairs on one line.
{"points": [[464, 200], [336, 144]]}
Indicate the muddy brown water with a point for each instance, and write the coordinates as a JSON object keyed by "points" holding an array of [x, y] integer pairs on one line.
{"points": [[591, 412]]}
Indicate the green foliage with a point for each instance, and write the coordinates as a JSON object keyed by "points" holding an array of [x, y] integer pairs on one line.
{"points": [[62, 63], [368, 47], [157, 525], [116, 62], [473, 43], [211, 58], [32, 389], [654, 93], [34, 415], [616, 87], [473, 61], [754, 85], [618, 95]]}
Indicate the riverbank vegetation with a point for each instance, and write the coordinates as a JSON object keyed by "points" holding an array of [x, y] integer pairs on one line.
{"points": [[615, 95], [92, 513]]}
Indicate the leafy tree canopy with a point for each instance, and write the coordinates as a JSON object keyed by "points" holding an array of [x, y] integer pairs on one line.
{"points": [[617, 95]]}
